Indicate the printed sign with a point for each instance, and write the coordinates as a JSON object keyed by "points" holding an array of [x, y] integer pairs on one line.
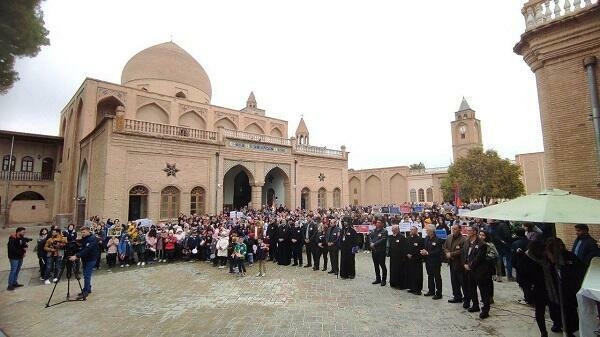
{"points": [[405, 209], [463, 212], [418, 208], [405, 226], [362, 229], [232, 214], [441, 233]]}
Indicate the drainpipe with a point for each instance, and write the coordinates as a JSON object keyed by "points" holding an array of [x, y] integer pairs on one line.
{"points": [[10, 165], [590, 66]]}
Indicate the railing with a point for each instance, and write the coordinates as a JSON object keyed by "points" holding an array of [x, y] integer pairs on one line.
{"points": [[431, 170], [319, 150], [256, 137], [541, 12], [133, 125], [25, 176]]}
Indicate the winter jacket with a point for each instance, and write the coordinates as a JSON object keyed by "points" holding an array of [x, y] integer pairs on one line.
{"points": [[16, 247]]}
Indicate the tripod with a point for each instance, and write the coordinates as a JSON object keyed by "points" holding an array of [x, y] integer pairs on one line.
{"points": [[70, 266]]}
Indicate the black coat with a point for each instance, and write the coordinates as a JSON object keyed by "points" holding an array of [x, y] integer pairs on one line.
{"points": [[475, 257], [415, 244], [16, 247], [587, 249], [433, 246]]}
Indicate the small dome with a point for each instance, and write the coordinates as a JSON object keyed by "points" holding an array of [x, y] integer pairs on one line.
{"points": [[166, 62]]}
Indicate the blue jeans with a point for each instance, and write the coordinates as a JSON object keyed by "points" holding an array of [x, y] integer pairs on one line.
{"points": [[505, 255], [15, 268], [88, 268]]}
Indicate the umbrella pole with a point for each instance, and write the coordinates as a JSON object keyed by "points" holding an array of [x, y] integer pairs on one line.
{"points": [[560, 296]]}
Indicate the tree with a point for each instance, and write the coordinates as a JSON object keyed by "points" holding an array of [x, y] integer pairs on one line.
{"points": [[22, 33], [419, 166], [483, 176]]}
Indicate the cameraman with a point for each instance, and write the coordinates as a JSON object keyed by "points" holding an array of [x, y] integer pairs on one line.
{"points": [[89, 255], [17, 245]]}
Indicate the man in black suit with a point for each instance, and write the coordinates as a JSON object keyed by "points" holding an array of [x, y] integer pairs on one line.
{"points": [[309, 231], [477, 269], [432, 253]]}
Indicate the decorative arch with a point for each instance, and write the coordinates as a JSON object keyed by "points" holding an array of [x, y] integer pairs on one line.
{"points": [[106, 107], [152, 112], [373, 190], [138, 202], [192, 119], [225, 123], [275, 132], [398, 188], [254, 128], [28, 195], [413, 195], [82, 186]]}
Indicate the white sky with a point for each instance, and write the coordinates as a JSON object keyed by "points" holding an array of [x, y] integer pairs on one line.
{"points": [[382, 77]]}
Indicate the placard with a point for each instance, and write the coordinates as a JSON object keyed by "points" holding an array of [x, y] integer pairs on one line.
{"points": [[441, 234], [418, 208], [232, 214], [405, 209], [405, 226], [463, 212], [361, 229]]}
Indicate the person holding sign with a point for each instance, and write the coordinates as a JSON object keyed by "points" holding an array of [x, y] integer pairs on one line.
{"points": [[432, 253], [378, 239]]}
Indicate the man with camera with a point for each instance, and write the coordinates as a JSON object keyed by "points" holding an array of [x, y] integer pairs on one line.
{"points": [[17, 245], [89, 255]]}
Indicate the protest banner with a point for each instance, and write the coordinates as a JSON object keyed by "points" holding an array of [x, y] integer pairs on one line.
{"points": [[405, 226], [418, 208], [232, 214], [406, 209]]}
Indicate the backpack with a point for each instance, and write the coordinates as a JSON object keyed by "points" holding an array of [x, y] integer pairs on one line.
{"points": [[492, 252]]}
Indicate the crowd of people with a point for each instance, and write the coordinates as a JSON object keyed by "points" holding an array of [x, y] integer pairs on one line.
{"points": [[478, 252]]}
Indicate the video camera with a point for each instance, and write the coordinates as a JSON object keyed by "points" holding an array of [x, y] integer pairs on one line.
{"points": [[72, 248]]}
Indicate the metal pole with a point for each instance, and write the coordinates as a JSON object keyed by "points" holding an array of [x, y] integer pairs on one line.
{"points": [[590, 65], [217, 184], [10, 165]]}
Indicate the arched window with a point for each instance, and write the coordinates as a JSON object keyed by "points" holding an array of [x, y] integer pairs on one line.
{"points": [[430, 194], [197, 197], [27, 164], [322, 198], [421, 195], [138, 202], [305, 198], [169, 203], [413, 195], [5, 163], [337, 198]]}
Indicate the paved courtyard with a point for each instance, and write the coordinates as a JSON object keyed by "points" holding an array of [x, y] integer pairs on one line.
{"points": [[195, 299]]}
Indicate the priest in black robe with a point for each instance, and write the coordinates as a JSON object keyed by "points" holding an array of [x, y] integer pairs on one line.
{"points": [[348, 247], [398, 250], [283, 245]]}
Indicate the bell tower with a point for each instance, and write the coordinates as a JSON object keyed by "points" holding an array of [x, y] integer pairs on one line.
{"points": [[302, 133], [466, 131]]}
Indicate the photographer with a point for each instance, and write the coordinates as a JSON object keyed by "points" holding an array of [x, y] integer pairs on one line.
{"points": [[17, 245], [88, 254]]}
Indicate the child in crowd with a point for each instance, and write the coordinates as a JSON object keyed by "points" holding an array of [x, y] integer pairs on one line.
{"points": [[239, 253], [111, 251], [125, 251], [221, 247], [260, 255]]}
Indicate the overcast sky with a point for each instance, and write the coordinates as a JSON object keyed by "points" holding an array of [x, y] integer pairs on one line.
{"points": [[383, 78]]}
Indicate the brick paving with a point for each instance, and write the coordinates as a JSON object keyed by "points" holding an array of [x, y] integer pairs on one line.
{"points": [[196, 299]]}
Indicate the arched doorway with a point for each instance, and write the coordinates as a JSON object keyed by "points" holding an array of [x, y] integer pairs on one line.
{"points": [[305, 198], [276, 188], [237, 192], [197, 197], [138, 203]]}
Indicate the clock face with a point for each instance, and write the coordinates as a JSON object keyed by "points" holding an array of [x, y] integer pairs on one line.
{"points": [[462, 129]]}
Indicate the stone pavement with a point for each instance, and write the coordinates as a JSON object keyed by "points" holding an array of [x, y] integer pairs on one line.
{"points": [[196, 299]]}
